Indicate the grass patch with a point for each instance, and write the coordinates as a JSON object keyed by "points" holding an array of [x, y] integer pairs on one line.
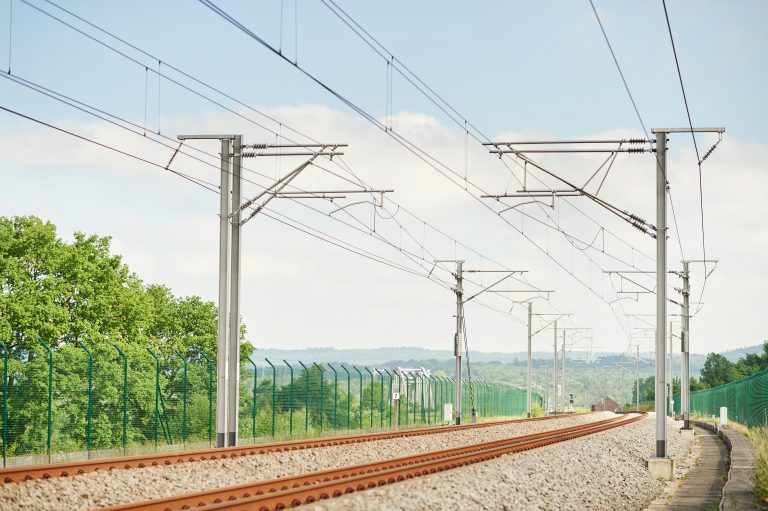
{"points": [[759, 437]]}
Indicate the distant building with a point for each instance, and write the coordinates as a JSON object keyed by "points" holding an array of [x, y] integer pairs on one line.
{"points": [[605, 404]]}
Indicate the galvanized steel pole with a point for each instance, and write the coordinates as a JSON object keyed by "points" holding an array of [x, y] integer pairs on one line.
{"points": [[233, 357], [661, 281], [565, 394], [685, 379], [528, 393], [670, 410], [222, 374], [457, 339], [637, 381], [554, 369], [623, 402], [661, 292]]}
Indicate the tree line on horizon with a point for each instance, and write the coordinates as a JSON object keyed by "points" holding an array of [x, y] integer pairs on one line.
{"points": [[717, 371]]}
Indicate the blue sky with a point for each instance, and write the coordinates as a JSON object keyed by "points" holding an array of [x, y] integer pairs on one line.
{"points": [[522, 69], [541, 66]]}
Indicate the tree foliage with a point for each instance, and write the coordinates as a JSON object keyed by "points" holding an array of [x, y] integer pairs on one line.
{"points": [[70, 292], [718, 370]]}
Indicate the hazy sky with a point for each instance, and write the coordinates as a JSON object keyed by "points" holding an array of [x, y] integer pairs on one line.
{"points": [[513, 70]]}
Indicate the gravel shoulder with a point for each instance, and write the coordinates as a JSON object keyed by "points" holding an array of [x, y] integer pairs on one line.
{"points": [[102, 489], [605, 471]]}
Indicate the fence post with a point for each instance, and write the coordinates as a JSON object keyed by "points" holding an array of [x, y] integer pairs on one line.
{"points": [[426, 400], [349, 393], [274, 390], [184, 406], [369, 372], [5, 397], [416, 380], [253, 407], [335, 393], [306, 398], [124, 357], [414, 396], [503, 401], [157, 392], [322, 403], [381, 398], [90, 396], [390, 396], [476, 391], [361, 396], [432, 398], [290, 401], [50, 394], [424, 415], [489, 410], [210, 397]]}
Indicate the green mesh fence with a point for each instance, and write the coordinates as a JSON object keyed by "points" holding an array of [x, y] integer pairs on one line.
{"points": [[77, 400], [746, 400]]}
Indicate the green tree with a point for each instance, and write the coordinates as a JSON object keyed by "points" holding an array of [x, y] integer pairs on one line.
{"points": [[696, 384], [753, 362], [65, 292], [647, 389], [718, 370]]}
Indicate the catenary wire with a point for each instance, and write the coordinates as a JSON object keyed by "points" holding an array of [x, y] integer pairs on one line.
{"points": [[639, 118], [417, 151], [161, 74], [695, 146], [197, 80]]}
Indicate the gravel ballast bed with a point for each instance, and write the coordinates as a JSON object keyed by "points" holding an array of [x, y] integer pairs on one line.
{"points": [[102, 489], [605, 471]]}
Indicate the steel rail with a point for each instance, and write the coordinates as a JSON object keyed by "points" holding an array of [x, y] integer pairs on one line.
{"points": [[248, 491], [47, 471]]}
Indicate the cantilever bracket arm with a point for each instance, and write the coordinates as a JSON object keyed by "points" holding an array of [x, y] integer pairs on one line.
{"points": [[487, 288], [275, 187], [549, 324]]}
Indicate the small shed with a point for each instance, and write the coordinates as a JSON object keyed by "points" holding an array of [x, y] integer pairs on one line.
{"points": [[605, 404]]}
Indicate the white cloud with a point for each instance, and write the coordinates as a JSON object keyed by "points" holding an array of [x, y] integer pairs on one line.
{"points": [[298, 291]]}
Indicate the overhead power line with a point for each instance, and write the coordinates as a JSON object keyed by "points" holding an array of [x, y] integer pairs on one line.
{"points": [[278, 133], [445, 170], [164, 76], [695, 146], [273, 215], [639, 118]]}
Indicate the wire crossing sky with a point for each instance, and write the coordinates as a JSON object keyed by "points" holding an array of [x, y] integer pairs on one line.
{"points": [[414, 94]]}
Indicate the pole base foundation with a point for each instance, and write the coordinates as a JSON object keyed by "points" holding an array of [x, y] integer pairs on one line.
{"points": [[687, 433], [662, 468]]}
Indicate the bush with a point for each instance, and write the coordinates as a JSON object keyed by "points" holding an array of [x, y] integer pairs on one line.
{"points": [[759, 437]]}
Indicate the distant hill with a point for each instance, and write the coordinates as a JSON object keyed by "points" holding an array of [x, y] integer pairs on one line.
{"points": [[415, 356], [735, 354], [409, 356], [378, 356]]}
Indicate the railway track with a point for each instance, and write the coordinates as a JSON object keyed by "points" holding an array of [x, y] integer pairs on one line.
{"points": [[292, 491], [29, 472]]}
